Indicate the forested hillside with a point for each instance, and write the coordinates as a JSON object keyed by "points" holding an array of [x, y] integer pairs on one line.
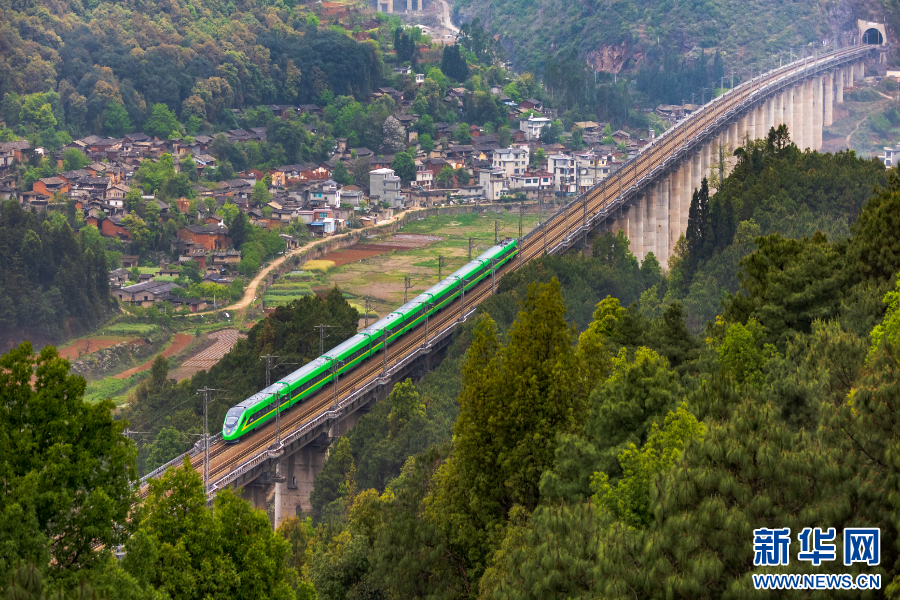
{"points": [[656, 36], [53, 283], [589, 452], [104, 64]]}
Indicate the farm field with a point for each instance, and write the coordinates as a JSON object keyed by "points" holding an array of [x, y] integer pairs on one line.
{"points": [[377, 267]]}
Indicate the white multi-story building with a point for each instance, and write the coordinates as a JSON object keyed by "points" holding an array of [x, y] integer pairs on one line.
{"points": [[529, 183], [424, 175], [533, 126], [325, 193], [512, 161], [590, 170], [563, 169], [493, 182], [891, 156], [384, 184]]}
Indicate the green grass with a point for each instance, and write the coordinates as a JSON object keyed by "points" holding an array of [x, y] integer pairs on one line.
{"points": [[109, 387], [139, 329]]}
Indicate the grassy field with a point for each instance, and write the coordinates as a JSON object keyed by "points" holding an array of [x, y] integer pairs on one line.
{"points": [[381, 277], [131, 329]]}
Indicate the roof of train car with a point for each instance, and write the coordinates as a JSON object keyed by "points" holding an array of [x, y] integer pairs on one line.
{"points": [[467, 269], [408, 306], [295, 376], [492, 252], [380, 324], [346, 345]]}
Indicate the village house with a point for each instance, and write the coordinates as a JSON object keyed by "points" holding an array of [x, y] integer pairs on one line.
{"points": [[532, 127], [145, 294], [109, 227], [12, 152], [209, 237]]}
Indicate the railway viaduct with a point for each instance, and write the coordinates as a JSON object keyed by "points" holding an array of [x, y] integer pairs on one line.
{"points": [[648, 198]]}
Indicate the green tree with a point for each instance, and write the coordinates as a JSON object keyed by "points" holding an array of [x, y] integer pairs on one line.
{"points": [[629, 499], [74, 159], [336, 480], [426, 143], [342, 175], [74, 487], [462, 176], [115, 120], [167, 446], [461, 133], [445, 177], [260, 194], [512, 408], [404, 166], [405, 405], [162, 122]]}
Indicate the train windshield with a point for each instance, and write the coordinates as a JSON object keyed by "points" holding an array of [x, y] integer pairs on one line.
{"points": [[232, 418]]}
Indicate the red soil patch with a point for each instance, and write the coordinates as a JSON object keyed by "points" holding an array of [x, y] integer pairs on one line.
{"points": [[180, 343], [360, 251], [81, 347]]}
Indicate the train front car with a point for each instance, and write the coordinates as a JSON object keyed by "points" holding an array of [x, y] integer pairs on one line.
{"points": [[237, 420]]}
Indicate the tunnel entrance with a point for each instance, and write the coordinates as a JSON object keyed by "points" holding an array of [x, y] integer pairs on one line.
{"points": [[872, 36]]}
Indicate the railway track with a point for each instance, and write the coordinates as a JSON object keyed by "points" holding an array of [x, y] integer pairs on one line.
{"points": [[555, 234]]}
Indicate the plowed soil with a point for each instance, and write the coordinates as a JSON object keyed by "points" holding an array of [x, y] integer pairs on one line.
{"points": [[400, 241], [180, 342], [81, 347]]}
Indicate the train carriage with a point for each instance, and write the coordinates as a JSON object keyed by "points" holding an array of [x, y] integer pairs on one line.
{"points": [[312, 377]]}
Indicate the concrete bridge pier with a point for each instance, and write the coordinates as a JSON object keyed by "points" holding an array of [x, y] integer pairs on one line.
{"points": [[636, 221], [818, 111], [809, 111], [256, 494], [762, 112], [799, 134], [299, 472], [687, 193], [839, 86], [649, 219], [751, 123], [862, 69], [789, 114], [850, 75], [829, 99], [663, 214]]}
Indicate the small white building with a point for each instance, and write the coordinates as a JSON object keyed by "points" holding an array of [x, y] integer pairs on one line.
{"points": [[591, 169], [424, 176], [533, 126], [326, 193], [891, 156]]}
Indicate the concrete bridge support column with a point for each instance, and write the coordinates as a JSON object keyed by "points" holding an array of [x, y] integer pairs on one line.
{"points": [[839, 86], [696, 171], [818, 112], [637, 238], [733, 141], [751, 123], [850, 74], [772, 105], [650, 220], [762, 120], [799, 134], [862, 70], [705, 154], [789, 114], [299, 471], [663, 213], [828, 117], [809, 109], [687, 193], [255, 494], [675, 203]]}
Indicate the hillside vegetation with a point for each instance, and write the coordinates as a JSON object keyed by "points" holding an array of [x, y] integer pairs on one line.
{"points": [[616, 35]]}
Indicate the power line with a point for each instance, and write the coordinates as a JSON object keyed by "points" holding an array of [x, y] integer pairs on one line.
{"points": [[322, 327]]}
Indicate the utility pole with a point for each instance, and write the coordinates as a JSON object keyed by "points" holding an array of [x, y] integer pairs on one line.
{"points": [[496, 233], [322, 327], [493, 278], [441, 263], [205, 391], [384, 353], [470, 248], [407, 283], [521, 213], [335, 364], [367, 311], [462, 298], [427, 310], [268, 358]]}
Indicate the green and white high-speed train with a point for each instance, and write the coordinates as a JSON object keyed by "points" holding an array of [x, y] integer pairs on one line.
{"points": [[303, 383]]}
